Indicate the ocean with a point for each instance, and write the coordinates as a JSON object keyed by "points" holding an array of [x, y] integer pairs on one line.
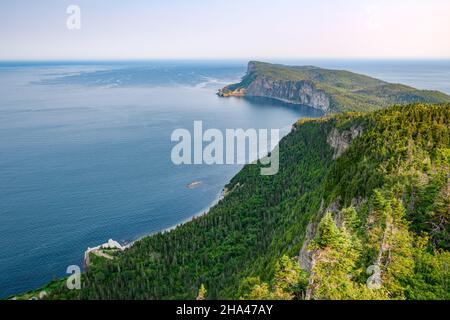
{"points": [[85, 150]]}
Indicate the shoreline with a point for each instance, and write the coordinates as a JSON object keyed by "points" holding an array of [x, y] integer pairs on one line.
{"points": [[221, 195]]}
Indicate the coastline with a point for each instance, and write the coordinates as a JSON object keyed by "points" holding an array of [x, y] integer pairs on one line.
{"points": [[126, 244], [35, 293], [129, 240], [221, 195]]}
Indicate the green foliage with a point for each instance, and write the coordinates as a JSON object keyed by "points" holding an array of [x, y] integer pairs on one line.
{"points": [[250, 289], [335, 263], [261, 219], [201, 292], [431, 277], [390, 188], [348, 91], [289, 280], [260, 291], [407, 268], [288, 283], [328, 233]]}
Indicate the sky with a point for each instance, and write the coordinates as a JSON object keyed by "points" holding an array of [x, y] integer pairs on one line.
{"points": [[225, 29]]}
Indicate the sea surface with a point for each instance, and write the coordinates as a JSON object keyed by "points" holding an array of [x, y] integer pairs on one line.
{"points": [[85, 150]]}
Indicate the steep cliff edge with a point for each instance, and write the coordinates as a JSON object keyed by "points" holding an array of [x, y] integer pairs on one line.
{"points": [[257, 84], [327, 90], [355, 193]]}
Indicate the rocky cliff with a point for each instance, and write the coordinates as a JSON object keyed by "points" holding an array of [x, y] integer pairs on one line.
{"points": [[340, 141], [295, 92], [331, 91]]}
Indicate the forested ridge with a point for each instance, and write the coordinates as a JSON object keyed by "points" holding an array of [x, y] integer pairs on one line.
{"points": [[370, 222], [332, 91]]}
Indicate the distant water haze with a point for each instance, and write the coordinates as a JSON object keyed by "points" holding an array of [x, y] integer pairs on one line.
{"points": [[421, 74], [85, 151]]}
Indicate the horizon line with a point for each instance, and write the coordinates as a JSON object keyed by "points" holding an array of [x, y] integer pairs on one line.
{"points": [[131, 59]]}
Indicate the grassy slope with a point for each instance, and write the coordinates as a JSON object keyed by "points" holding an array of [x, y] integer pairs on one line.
{"points": [[263, 218], [348, 91]]}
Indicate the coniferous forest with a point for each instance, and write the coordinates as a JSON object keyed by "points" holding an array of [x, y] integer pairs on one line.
{"points": [[368, 221]]}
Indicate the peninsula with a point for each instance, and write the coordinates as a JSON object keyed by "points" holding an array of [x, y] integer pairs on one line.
{"points": [[330, 91]]}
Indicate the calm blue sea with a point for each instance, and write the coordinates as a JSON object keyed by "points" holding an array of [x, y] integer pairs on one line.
{"points": [[85, 150]]}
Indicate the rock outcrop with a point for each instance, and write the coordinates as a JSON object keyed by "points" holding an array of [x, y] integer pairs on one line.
{"points": [[294, 92], [327, 90], [306, 256], [340, 140]]}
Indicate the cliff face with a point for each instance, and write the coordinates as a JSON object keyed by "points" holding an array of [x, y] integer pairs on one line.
{"points": [[295, 92], [340, 141], [331, 91]]}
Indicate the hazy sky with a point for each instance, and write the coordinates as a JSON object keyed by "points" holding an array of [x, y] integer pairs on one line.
{"points": [[145, 29]]}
